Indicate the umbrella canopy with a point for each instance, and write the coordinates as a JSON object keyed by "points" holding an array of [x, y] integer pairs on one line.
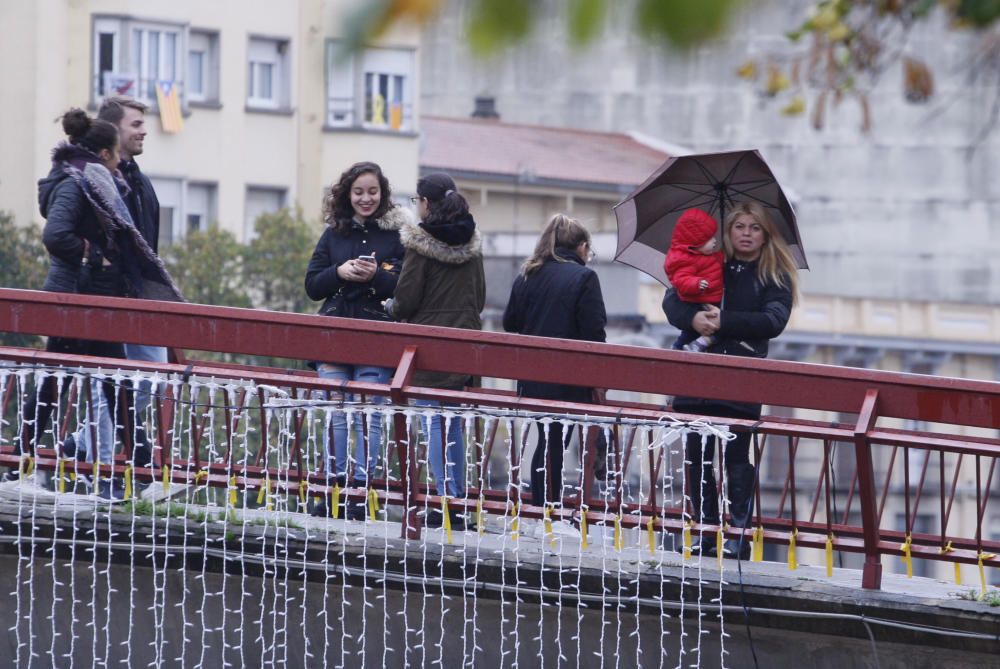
{"points": [[713, 182]]}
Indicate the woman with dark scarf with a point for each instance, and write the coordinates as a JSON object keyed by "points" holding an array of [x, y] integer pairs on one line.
{"points": [[442, 284], [94, 249]]}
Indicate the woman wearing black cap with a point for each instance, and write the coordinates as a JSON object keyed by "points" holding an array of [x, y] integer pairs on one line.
{"points": [[442, 284]]}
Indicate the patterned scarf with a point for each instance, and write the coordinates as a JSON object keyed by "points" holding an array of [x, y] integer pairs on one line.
{"points": [[147, 277]]}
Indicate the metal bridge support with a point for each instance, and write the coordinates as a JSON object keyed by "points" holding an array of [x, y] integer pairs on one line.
{"points": [[871, 576]]}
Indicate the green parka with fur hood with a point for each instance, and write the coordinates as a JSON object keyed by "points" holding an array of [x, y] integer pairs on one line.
{"points": [[443, 285]]}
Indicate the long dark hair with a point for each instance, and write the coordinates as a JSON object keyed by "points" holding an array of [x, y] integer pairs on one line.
{"points": [[444, 203], [92, 134], [337, 210]]}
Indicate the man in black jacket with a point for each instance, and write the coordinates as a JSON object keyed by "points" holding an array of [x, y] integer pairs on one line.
{"points": [[129, 116]]}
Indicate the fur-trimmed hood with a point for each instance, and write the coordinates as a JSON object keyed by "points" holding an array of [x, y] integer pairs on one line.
{"points": [[416, 239], [396, 218]]}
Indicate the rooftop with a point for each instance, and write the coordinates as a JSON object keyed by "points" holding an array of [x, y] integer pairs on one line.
{"points": [[490, 147]]}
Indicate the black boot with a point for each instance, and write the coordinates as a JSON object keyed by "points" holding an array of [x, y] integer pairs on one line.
{"points": [[741, 488], [142, 453], [705, 503]]}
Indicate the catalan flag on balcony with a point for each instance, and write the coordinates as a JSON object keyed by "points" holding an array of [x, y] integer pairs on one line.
{"points": [[169, 103]]}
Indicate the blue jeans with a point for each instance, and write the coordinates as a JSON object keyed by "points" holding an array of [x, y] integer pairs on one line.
{"points": [[367, 374], [104, 427], [449, 476], [148, 354]]}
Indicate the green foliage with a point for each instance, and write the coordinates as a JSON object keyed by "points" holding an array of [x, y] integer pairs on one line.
{"points": [[274, 263], [980, 13], [684, 23], [24, 263], [585, 19], [990, 597], [495, 23], [207, 267]]}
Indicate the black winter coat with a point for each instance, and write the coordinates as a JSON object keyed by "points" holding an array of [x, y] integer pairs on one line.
{"points": [[142, 203], [358, 300], [69, 219], [560, 299], [752, 314]]}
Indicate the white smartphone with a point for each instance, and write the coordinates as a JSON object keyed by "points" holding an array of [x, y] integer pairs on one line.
{"points": [[368, 258]]}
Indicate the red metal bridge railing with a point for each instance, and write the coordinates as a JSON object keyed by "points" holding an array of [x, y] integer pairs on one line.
{"points": [[957, 404]]}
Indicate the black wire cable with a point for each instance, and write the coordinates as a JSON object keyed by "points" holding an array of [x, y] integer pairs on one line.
{"points": [[739, 554]]}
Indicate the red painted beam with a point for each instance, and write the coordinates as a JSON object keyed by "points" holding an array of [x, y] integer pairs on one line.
{"points": [[499, 355]]}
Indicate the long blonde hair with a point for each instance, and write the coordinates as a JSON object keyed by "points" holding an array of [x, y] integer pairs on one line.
{"points": [[560, 232], [775, 264]]}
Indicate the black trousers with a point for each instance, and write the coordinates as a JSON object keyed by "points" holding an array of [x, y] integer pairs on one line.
{"points": [[39, 405], [547, 463], [702, 486]]}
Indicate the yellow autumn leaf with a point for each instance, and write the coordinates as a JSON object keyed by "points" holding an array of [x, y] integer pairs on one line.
{"points": [[777, 81], [747, 70], [839, 32], [796, 106]]}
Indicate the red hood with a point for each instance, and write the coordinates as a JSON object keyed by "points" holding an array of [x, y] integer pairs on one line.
{"points": [[694, 228]]}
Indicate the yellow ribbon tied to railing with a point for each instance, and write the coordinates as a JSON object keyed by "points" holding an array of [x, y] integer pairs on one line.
{"points": [[982, 573], [583, 529], [62, 475], [335, 502], [262, 493], [793, 562], [687, 540], [480, 517], [829, 555], [166, 480], [128, 482], [373, 503], [200, 475], [27, 465], [303, 491], [651, 536], [97, 471], [446, 519], [548, 525], [720, 541], [232, 492], [907, 555], [757, 555], [619, 538], [948, 548], [514, 523]]}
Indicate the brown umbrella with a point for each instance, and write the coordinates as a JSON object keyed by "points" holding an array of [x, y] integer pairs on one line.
{"points": [[713, 182]]}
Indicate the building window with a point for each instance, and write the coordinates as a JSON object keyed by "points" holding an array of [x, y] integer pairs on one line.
{"points": [[131, 57], [373, 89], [184, 207], [199, 206], [267, 74], [260, 200], [203, 66]]}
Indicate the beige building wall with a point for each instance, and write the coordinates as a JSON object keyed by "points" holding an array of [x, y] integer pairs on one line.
{"points": [[222, 143]]}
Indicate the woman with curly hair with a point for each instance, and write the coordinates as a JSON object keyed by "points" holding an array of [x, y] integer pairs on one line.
{"points": [[353, 269]]}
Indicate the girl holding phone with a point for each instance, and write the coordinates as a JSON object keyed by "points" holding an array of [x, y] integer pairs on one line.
{"points": [[353, 269]]}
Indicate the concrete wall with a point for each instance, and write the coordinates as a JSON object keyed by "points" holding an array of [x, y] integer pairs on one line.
{"points": [[909, 212]]}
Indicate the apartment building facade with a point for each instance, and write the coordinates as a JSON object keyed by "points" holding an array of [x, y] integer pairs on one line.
{"points": [[272, 108]]}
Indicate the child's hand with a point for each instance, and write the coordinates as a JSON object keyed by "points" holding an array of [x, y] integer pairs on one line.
{"points": [[703, 284]]}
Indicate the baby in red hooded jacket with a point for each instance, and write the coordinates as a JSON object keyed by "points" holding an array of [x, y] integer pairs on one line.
{"points": [[694, 267]]}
